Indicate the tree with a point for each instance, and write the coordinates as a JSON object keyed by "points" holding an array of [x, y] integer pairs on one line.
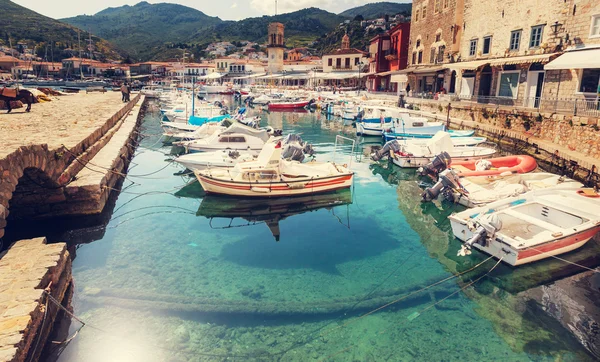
{"points": [[359, 18]]}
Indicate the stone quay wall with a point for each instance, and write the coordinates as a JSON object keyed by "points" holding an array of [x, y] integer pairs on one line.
{"points": [[33, 177], [29, 270], [571, 133]]}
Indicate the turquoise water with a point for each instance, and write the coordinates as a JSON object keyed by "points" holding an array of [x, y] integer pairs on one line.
{"points": [[173, 276]]}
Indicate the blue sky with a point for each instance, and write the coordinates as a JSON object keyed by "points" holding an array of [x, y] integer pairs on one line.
{"points": [[225, 9]]}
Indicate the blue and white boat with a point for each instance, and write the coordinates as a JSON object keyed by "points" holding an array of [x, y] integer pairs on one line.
{"points": [[391, 135]]}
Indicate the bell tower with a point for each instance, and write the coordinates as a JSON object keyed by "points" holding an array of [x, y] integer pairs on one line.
{"points": [[275, 48]]}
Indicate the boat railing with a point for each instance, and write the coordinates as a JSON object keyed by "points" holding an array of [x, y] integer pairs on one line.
{"points": [[340, 140]]}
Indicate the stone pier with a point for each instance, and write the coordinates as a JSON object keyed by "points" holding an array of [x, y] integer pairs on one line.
{"points": [[29, 270], [65, 156]]}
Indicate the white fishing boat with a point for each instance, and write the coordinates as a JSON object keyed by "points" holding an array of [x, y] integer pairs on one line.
{"points": [[216, 159], [477, 191], [415, 155], [530, 227], [293, 148], [188, 132], [237, 137], [456, 141], [271, 176]]}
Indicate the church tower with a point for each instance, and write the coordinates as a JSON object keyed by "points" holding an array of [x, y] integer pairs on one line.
{"points": [[346, 41], [275, 48]]}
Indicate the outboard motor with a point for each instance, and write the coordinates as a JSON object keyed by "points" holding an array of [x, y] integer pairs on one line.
{"points": [[486, 230], [448, 180], [308, 150], [437, 165], [392, 145], [292, 152], [310, 103]]}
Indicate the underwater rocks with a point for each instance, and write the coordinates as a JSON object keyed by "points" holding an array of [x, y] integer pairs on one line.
{"points": [[253, 293]]}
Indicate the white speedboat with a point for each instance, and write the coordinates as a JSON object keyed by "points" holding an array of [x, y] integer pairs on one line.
{"points": [[237, 137], [216, 159], [293, 148], [530, 227], [415, 155], [475, 191], [272, 176], [187, 132]]}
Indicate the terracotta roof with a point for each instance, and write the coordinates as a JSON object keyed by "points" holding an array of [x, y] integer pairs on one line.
{"points": [[347, 51]]}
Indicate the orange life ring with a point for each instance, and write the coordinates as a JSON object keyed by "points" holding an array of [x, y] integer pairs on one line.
{"points": [[583, 192]]}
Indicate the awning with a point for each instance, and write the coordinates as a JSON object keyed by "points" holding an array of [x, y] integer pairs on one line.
{"points": [[398, 78], [212, 76], [384, 74], [576, 59], [467, 65], [430, 69], [338, 75], [528, 59]]}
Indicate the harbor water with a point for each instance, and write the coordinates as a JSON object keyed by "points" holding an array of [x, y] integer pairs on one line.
{"points": [[367, 274]]}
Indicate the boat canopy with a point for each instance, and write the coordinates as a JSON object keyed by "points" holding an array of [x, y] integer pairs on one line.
{"points": [[243, 129]]}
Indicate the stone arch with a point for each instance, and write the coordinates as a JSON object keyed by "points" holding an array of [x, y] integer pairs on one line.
{"points": [[37, 170]]}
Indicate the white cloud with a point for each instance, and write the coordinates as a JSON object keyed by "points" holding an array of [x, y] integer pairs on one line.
{"points": [[234, 5]]}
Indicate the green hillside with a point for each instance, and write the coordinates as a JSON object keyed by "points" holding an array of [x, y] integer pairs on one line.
{"points": [[144, 28], [19, 24], [376, 10], [310, 22], [151, 31]]}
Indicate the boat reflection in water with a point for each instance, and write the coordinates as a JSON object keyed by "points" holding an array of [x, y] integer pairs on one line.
{"points": [[270, 211]]}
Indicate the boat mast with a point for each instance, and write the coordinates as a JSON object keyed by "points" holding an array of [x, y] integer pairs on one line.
{"points": [[80, 60]]}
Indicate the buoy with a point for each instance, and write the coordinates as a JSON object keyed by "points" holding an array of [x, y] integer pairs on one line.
{"points": [[588, 192]]}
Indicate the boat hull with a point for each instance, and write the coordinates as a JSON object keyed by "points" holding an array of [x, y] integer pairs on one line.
{"points": [[370, 129], [274, 189], [516, 257], [291, 105]]}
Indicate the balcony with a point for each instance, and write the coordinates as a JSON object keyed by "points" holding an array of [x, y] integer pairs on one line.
{"points": [[341, 68]]}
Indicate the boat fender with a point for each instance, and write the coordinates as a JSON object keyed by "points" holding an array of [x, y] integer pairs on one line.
{"points": [[588, 192]]}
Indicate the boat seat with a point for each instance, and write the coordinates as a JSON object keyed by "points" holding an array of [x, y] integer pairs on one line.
{"points": [[533, 220]]}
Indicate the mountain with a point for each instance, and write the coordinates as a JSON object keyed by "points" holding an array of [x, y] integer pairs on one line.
{"points": [[376, 10], [21, 25], [144, 28], [301, 27], [155, 31]]}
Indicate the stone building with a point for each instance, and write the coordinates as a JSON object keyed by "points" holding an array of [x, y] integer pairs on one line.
{"points": [[435, 33], [576, 73], [502, 54]]}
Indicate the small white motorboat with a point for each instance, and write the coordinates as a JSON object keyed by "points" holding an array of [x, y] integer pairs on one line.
{"points": [[294, 148], [530, 227], [237, 137], [272, 176], [186, 132], [477, 191], [405, 154]]}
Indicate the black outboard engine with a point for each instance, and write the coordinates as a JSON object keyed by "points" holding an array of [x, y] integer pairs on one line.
{"points": [[487, 226], [392, 145], [437, 165], [308, 150], [448, 180], [310, 103], [292, 152]]}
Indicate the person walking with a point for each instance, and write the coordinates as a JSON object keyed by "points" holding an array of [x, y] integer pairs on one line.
{"points": [[123, 93], [128, 98]]}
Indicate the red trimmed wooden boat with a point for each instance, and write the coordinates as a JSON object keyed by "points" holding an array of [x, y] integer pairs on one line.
{"points": [[534, 226], [288, 105], [499, 165], [271, 176]]}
